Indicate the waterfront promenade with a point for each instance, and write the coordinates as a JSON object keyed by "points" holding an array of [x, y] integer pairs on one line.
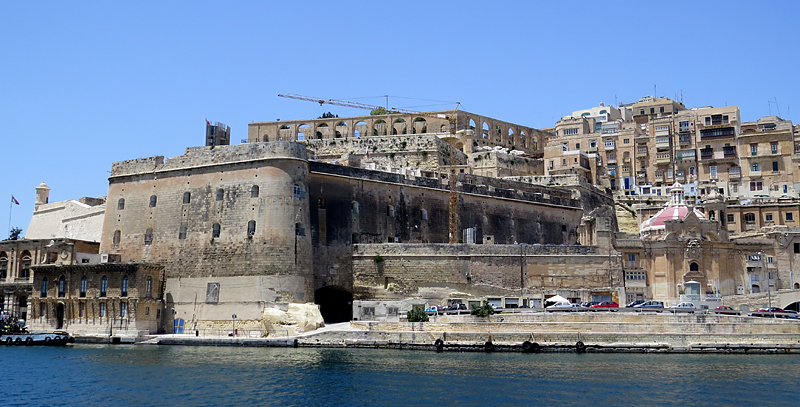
{"points": [[539, 332]]}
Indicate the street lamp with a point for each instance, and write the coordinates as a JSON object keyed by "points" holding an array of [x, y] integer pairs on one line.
{"points": [[764, 268]]}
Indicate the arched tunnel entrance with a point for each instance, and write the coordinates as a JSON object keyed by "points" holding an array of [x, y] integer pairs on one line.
{"points": [[795, 306], [335, 304]]}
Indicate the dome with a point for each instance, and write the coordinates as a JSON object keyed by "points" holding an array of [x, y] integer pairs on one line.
{"points": [[676, 209]]}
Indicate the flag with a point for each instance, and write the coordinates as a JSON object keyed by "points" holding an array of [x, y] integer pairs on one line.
{"points": [[14, 201], [208, 123]]}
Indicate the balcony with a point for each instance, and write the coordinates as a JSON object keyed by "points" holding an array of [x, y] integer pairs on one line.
{"points": [[664, 158], [684, 129], [685, 139], [591, 149], [662, 142], [729, 151], [611, 146], [735, 174], [641, 153], [716, 133], [706, 153]]}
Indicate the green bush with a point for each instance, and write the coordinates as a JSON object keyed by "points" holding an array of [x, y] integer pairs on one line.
{"points": [[483, 311], [417, 315]]}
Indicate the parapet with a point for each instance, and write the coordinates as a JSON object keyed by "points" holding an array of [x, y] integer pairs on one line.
{"points": [[211, 156]]}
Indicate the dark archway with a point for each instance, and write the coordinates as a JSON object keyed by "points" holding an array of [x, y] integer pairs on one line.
{"points": [[60, 316], [795, 306], [335, 304]]}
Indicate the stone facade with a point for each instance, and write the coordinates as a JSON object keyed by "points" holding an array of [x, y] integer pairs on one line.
{"points": [[97, 300]]}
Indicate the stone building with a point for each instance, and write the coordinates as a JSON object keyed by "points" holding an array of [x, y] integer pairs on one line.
{"points": [[244, 227], [110, 299]]}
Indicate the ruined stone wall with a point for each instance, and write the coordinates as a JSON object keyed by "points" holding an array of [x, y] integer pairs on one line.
{"points": [[386, 270]]}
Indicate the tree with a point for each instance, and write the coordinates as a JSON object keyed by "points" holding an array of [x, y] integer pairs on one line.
{"points": [[14, 234], [380, 111], [417, 315], [482, 311], [328, 115]]}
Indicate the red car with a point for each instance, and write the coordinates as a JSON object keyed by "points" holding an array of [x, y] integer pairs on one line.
{"points": [[606, 304]]}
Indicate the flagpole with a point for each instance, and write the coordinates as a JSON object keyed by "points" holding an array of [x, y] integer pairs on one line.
{"points": [[10, 206]]}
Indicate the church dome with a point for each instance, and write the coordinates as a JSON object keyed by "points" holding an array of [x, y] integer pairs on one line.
{"points": [[676, 209]]}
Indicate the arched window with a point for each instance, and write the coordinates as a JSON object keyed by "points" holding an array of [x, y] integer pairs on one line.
{"points": [[149, 287], [299, 229], [750, 217], [153, 200], [712, 215], [215, 230], [124, 292], [694, 267], [187, 197], [121, 204], [298, 190], [254, 191], [182, 233], [148, 236], [43, 291], [25, 259], [321, 203], [62, 287], [84, 286], [424, 214], [117, 237], [3, 267], [354, 207], [251, 228], [220, 194], [390, 211], [103, 286]]}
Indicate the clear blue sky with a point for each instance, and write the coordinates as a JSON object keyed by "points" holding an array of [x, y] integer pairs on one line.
{"points": [[85, 83]]}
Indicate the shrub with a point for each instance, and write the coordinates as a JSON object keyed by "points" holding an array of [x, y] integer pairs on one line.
{"points": [[482, 311], [417, 315]]}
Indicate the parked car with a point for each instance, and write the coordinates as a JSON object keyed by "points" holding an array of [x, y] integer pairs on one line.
{"points": [[685, 306], [650, 304], [605, 304], [725, 310], [560, 305], [635, 303], [588, 304]]}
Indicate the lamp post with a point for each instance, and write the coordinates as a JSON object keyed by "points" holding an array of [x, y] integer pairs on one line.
{"points": [[234, 324], [764, 267]]}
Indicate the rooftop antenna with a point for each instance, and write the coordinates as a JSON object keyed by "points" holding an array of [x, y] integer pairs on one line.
{"points": [[776, 106], [769, 107], [681, 95], [655, 94], [616, 102]]}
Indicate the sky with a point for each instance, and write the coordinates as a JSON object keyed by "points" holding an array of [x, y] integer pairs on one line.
{"points": [[85, 84]]}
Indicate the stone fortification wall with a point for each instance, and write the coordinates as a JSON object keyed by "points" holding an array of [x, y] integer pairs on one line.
{"points": [[496, 163], [386, 270], [425, 152], [217, 213]]}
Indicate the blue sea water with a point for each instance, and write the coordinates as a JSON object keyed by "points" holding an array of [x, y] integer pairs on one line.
{"points": [[143, 375]]}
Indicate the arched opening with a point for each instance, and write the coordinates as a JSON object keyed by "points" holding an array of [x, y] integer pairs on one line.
{"points": [[62, 287], [302, 131], [472, 124], [485, 130], [59, 316], [797, 286], [153, 201], [335, 304], [341, 129], [420, 125], [511, 136], [379, 128], [399, 127], [322, 131], [360, 128], [523, 139], [694, 267], [795, 306]]}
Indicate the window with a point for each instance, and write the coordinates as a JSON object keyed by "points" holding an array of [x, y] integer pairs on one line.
{"points": [[84, 286], [148, 236], [43, 291], [121, 204], [773, 147], [390, 211], [626, 141], [153, 200], [652, 110], [755, 167], [321, 203], [797, 247], [62, 287], [182, 233], [220, 194], [708, 121], [712, 169], [81, 310], [768, 217], [212, 293], [147, 310], [251, 228], [3, 268], [749, 218], [103, 286], [25, 271], [149, 287], [592, 143], [354, 207], [124, 290], [102, 310], [577, 146], [756, 185], [187, 197], [753, 149], [298, 191], [631, 256], [568, 132], [424, 214], [789, 217], [254, 191], [731, 218], [215, 230], [661, 109], [123, 309], [299, 229], [774, 166], [117, 236]]}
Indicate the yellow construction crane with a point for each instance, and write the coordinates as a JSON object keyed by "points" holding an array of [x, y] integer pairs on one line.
{"points": [[453, 207]]}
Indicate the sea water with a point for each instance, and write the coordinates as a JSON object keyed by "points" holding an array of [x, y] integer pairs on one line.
{"points": [[148, 375]]}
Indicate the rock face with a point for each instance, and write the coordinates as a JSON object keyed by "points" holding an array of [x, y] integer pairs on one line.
{"points": [[299, 318]]}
